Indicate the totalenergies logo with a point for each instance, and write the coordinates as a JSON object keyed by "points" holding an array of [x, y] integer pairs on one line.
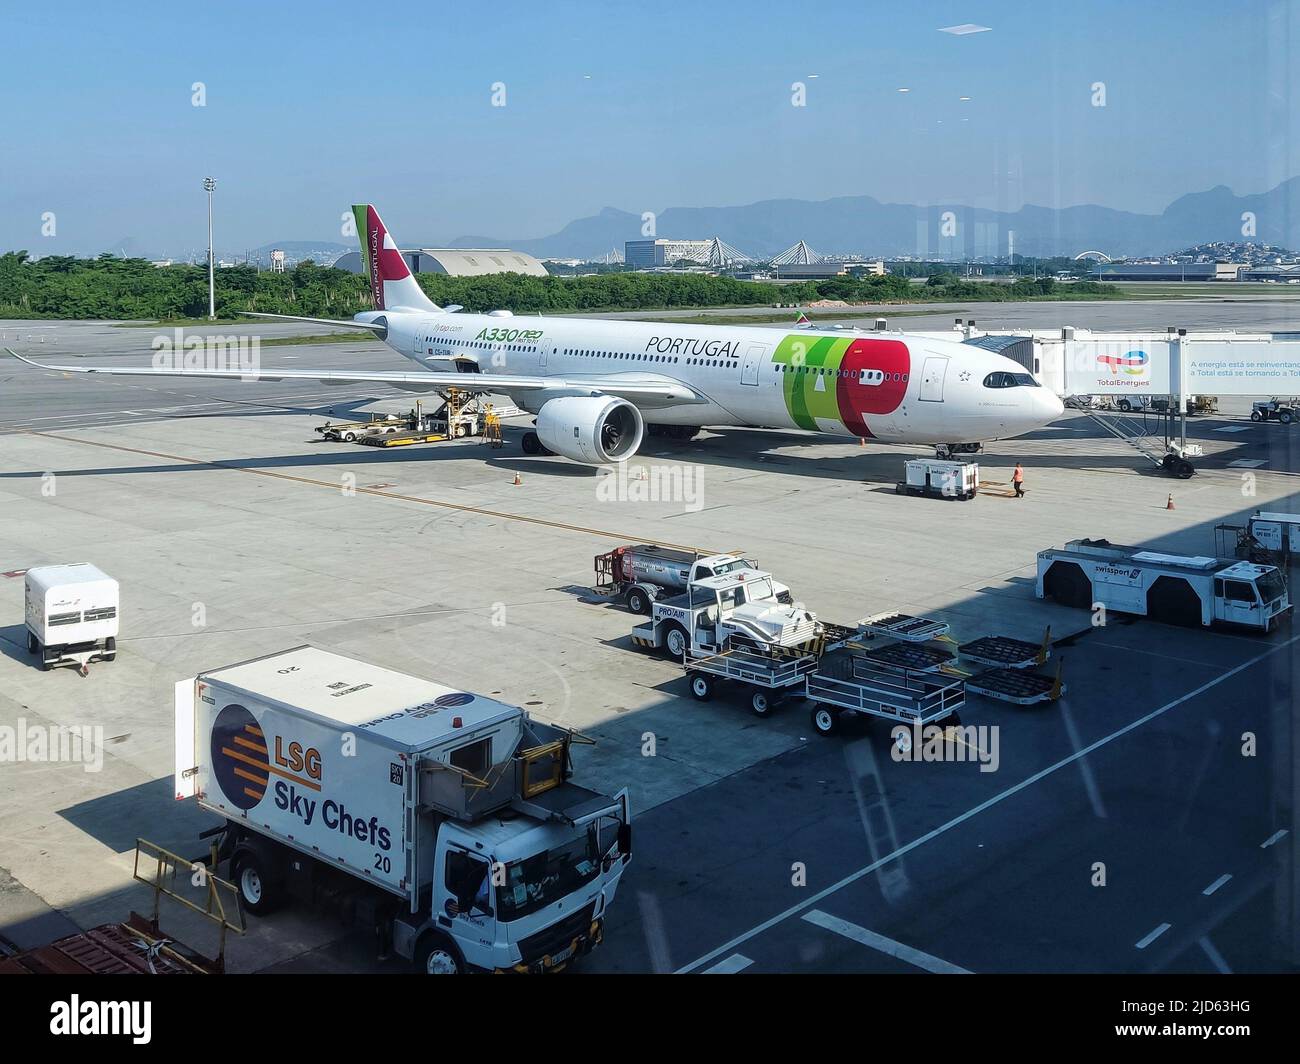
{"points": [[244, 764], [1130, 363]]}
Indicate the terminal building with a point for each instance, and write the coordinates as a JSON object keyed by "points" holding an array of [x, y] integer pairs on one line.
{"points": [[1167, 271], [646, 254], [457, 262]]}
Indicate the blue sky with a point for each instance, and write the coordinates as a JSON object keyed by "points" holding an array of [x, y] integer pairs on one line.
{"points": [[636, 106]]}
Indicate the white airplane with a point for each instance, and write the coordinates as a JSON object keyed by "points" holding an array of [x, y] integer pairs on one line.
{"points": [[596, 386]]}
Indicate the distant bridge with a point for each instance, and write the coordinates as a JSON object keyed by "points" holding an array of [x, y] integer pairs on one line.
{"points": [[1096, 256]]}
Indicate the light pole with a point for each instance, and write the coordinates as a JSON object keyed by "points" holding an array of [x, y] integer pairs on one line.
{"points": [[208, 186]]}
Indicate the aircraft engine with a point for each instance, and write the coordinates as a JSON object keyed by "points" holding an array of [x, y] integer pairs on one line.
{"points": [[594, 430]]}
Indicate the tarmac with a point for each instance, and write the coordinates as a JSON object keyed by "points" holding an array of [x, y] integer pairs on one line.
{"points": [[760, 846]]}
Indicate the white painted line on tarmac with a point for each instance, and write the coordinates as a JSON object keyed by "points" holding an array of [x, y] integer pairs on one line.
{"points": [[885, 945], [737, 962], [988, 803], [1277, 836], [1248, 463], [1153, 936], [1216, 884], [1233, 428], [1216, 958]]}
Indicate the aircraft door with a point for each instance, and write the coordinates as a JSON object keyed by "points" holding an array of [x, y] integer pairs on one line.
{"points": [[933, 372], [753, 362]]}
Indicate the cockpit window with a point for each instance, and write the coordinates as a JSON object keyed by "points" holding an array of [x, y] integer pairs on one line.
{"points": [[1002, 379]]}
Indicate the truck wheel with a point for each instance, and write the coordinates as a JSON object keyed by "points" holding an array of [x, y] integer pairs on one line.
{"points": [[1184, 469], [33, 647], [1285, 417], [1124, 405], [110, 650], [675, 641], [825, 720], [437, 956], [349, 437], [531, 444], [762, 703], [259, 895], [701, 686], [638, 601], [1255, 415]]}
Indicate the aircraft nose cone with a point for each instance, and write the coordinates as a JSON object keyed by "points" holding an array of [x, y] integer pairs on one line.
{"points": [[1051, 404]]}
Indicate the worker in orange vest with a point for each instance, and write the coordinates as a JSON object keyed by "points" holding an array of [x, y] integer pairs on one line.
{"points": [[1018, 481]]}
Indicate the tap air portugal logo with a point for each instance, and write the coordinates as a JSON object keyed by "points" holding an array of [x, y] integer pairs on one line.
{"points": [[1129, 364], [244, 764], [383, 261], [842, 378]]}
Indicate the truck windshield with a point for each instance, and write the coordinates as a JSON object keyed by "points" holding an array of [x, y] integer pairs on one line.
{"points": [[758, 590], [1270, 586], [722, 568], [542, 879]]}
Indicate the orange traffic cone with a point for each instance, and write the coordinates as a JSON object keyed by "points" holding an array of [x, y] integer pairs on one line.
{"points": [[1170, 504], [518, 481]]}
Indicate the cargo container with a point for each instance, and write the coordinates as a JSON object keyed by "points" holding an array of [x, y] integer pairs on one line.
{"points": [[71, 613]]}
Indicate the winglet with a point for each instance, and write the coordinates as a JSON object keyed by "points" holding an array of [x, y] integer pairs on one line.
{"points": [[27, 360]]}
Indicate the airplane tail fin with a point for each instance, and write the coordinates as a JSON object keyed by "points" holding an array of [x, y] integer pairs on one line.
{"points": [[392, 285]]}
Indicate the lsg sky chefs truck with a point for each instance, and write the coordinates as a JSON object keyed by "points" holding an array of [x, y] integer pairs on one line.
{"points": [[445, 820], [1172, 588]]}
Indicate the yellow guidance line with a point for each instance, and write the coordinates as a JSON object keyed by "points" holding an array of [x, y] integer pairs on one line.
{"points": [[479, 511]]}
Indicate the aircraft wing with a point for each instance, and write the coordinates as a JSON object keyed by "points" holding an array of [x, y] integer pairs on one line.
{"points": [[640, 389], [333, 322]]}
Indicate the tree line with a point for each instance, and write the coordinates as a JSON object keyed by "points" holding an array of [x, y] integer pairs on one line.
{"points": [[61, 286]]}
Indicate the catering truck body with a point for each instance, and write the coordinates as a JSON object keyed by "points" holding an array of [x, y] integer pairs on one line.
{"points": [[446, 819], [1173, 588], [642, 573], [71, 614]]}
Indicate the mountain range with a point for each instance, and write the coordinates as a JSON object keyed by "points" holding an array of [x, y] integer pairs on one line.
{"points": [[862, 224]]}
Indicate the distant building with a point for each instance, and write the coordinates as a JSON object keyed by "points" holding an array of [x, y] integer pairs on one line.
{"points": [[646, 254], [457, 262], [1283, 274], [809, 271], [1163, 271]]}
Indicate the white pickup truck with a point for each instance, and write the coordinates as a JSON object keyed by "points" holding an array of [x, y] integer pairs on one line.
{"points": [[740, 608]]}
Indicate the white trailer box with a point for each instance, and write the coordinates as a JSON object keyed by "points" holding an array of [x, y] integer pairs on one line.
{"points": [[71, 613], [1276, 532], [941, 477], [318, 749]]}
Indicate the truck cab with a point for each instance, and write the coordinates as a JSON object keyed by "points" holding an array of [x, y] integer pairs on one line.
{"points": [[1250, 595], [511, 894], [726, 564]]}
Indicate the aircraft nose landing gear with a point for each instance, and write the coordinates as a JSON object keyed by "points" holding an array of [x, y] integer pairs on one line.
{"points": [[947, 450]]}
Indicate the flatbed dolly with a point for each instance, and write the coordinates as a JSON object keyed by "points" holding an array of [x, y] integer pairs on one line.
{"points": [[838, 681], [846, 681], [902, 627], [1004, 652], [1018, 686]]}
